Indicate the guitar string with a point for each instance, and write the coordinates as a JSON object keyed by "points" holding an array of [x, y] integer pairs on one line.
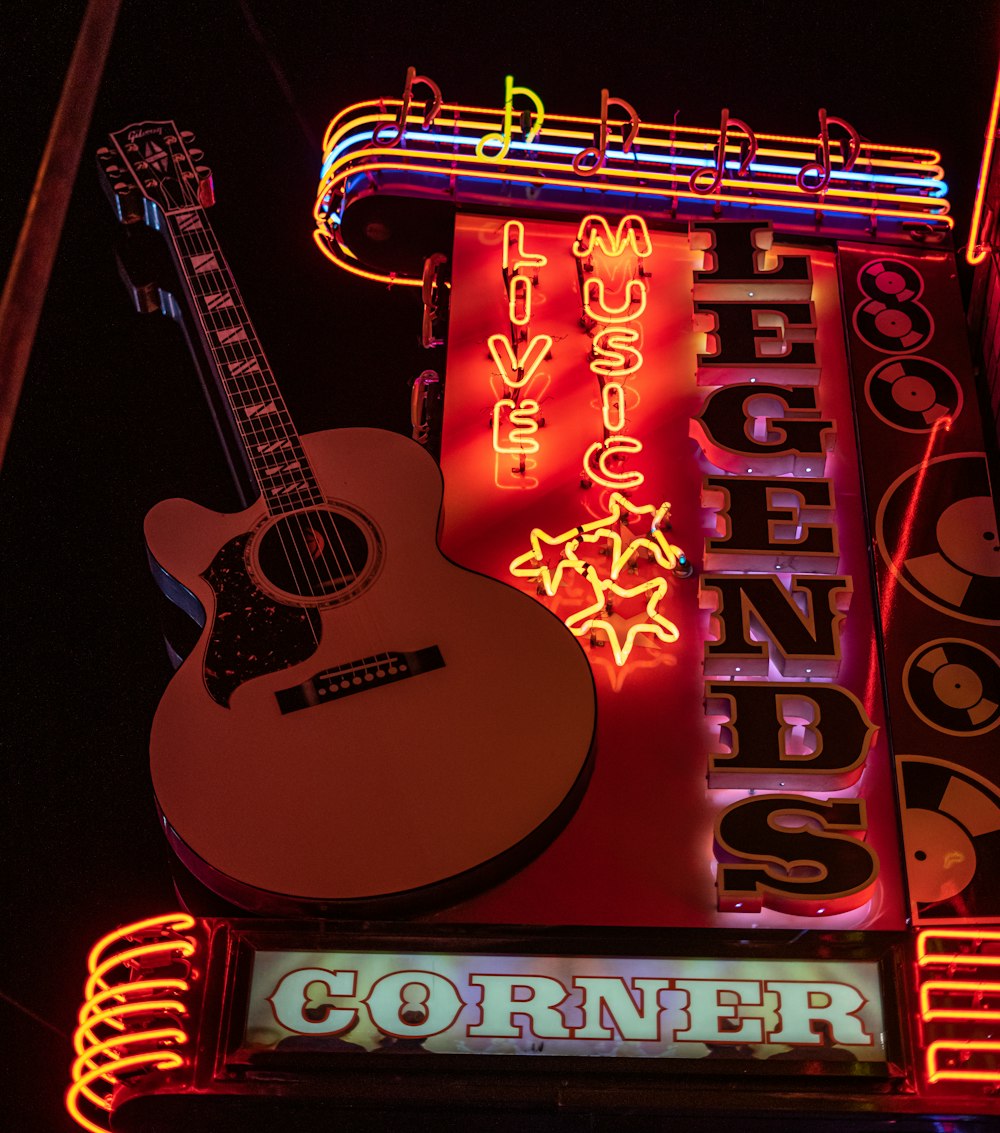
{"points": [[258, 430], [213, 281], [285, 440]]}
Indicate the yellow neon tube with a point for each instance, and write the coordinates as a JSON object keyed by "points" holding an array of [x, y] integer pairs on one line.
{"points": [[672, 135], [670, 192], [934, 1074], [926, 958], [453, 164], [972, 1014]]}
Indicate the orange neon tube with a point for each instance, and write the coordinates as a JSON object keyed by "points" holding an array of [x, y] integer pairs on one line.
{"points": [[959, 1047], [926, 958], [324, 240], [928, 1012], [653, 133], [924, 207], [975, 250], [114, 1034]]}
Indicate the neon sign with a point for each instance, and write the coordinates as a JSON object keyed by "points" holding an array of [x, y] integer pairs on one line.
{"points": [[722, 391], [614, 359], [478, 155]]}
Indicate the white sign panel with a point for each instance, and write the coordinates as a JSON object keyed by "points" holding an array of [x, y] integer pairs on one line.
{"points": [[448, 1003]]}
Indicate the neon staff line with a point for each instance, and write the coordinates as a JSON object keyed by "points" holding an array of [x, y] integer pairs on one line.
{"points": [[322, 236], [864, 206], [448, 157], [653, 133], [862, 202], [935, 187]]}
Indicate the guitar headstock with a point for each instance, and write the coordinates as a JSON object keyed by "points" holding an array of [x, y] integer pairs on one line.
{"points": [[151, 170]]}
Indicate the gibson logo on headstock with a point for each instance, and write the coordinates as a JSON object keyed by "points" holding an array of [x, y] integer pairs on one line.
{"points": [[134, 134]]}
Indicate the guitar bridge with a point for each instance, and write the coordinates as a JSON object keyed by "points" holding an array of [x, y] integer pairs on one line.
{"points": [[358, 676]]}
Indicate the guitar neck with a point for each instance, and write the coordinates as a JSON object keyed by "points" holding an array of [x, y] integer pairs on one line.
{"points": [[273, 448]]}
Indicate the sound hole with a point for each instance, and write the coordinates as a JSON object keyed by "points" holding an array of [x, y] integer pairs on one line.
{"points": [[314, 553]]}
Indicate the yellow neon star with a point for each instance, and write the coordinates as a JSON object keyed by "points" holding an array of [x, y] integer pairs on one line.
{"points": [[623, 552], [585, 621]]}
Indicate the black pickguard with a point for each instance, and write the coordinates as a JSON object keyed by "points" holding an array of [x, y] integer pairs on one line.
{"points": [[252, 634]]}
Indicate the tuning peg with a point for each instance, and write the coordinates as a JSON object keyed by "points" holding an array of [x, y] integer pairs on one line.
{"points": [[206, 189], [196, 154], [187, 135]]}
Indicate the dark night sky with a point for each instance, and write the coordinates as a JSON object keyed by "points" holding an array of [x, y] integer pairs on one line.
{"points": [[113, 420]]}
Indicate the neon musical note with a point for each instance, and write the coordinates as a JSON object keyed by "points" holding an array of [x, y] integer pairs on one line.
{"points": [[508, 122], [716, 175], [850, 149], [600, 151], [399, 126]]}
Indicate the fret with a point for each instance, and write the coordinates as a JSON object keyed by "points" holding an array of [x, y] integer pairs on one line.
{"points": [[275, 446], [222, 318], [272, 445], [270, 470], [188, 221], [204, 261], [216, 300], [235, 352], [259, 410], [246, 366], [241, 385]]}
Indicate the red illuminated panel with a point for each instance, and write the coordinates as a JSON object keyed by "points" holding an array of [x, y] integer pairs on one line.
{"points": [[657, 442]]}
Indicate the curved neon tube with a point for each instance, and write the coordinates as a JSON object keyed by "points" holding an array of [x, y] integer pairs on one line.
{"points": [[450, 164], [671, 193], [927, 959], [976, 252], [654, 134], [935, 187], [105, 1046]]}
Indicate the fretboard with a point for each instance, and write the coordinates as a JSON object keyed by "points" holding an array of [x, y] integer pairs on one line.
{"points": [[272, 444]]}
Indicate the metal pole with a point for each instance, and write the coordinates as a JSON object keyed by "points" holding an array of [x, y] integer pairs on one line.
{"points": [[31, 267]]}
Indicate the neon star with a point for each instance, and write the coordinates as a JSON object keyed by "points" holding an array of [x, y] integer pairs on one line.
{"points": [[585, 621], [622, 552]]}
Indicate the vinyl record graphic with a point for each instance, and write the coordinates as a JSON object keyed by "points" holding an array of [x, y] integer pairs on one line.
{"points": [[944, 545], [954, 686], [951, 834], [912, 393], [890, 319]]}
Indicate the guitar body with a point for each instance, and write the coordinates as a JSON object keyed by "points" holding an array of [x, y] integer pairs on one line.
{"points": [[390, 731]]}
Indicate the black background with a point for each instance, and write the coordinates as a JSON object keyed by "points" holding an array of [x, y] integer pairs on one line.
{"points": [[113, 420]]}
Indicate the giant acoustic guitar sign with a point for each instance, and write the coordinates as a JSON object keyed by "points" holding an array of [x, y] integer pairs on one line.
{"points": [[338, 738]]}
